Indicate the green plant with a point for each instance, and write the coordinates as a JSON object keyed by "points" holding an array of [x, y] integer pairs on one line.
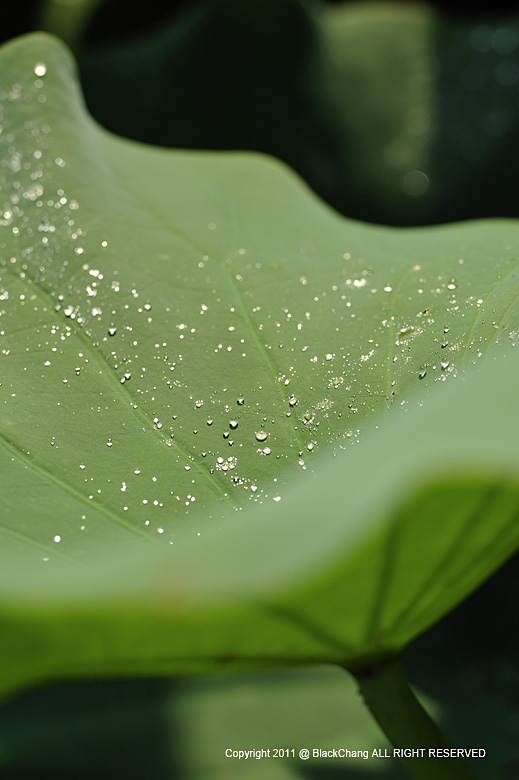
{"points": [[228, 413]]}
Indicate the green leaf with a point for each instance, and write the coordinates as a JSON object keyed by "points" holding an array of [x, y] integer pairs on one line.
{"points": [[391, 112], [372, 478]]}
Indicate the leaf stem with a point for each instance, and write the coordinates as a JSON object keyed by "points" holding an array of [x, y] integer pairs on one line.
{"points": [[406, 724]]}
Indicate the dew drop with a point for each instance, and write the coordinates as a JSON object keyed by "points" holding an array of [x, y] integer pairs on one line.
{"points": [[112, 330], [292, 401], [261, 435], [233, 424], [40, 69], [422, 374], [240, 400], [209, 422], [57, 539]]}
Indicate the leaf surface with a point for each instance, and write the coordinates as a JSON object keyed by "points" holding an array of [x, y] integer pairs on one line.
{"points": [[253, 429]]}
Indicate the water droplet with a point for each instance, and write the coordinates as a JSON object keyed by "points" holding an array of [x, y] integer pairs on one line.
{"points": [[292, 401], [112, 330], [225, 434], [233, 424], [261, 435], [209, 422], [445, 364], [40, 69], [452, 285], [57, 539], [240, 400], [109, 443], [422, 374]]}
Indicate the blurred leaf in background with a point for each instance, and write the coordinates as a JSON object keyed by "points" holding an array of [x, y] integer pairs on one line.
{"points": [[393, 113]]}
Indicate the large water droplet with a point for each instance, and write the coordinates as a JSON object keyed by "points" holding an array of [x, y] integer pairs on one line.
{"points": [[261, 435]]}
